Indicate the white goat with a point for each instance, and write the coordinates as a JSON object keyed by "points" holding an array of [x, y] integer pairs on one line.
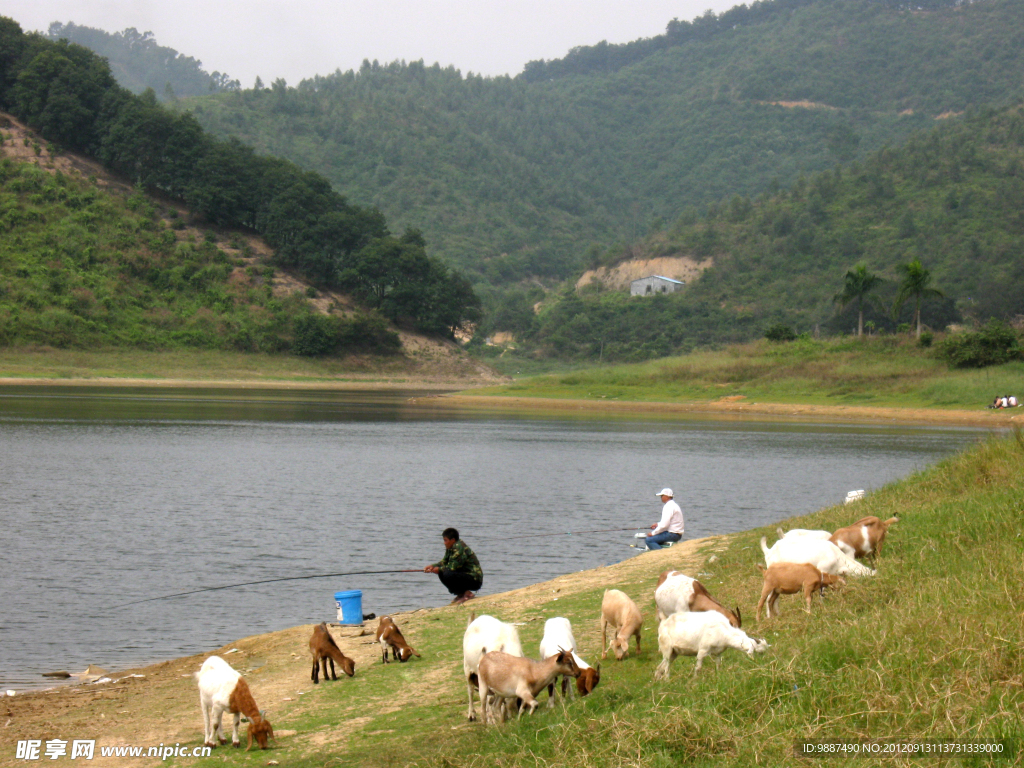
{"points": [[511, 677], [794, 532], [823, 555], [558, 637], [485, 633], [698, 634], [222, 689], [618, 611], [678, 592]]}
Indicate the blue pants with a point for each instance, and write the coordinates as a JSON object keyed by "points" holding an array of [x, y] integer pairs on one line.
{"points": [[655, 542]]}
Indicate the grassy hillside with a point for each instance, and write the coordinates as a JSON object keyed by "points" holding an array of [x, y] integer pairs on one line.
{"points": [[556, 165], [89, 264]]}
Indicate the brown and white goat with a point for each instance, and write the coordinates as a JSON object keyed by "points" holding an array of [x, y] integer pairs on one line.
{"points": [[511, 677], [222, 689], [790, 578], [864, 538], [620, 613], [323, 649], [485, 632], [678, 592], [390, 636]]}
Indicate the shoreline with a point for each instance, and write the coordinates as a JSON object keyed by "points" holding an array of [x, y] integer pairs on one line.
{"points": [[458, 393], [993, 419]]}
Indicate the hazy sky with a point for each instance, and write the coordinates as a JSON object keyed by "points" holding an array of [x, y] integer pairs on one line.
{"points": [[296, 39]]}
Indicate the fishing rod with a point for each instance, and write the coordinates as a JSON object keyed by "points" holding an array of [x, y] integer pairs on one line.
{"points": [[266, 581], [353, 573]]}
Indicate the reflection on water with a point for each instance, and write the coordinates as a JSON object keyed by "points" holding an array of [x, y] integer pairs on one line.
{"points": [[119, 495]]}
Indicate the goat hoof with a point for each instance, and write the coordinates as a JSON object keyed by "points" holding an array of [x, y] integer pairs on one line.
{"points": [[209, 744], [236, 744]]}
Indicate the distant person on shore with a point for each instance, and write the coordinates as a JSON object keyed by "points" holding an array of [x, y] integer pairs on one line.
{"points": [[670, 527], [459, 569], [997, 403], [1012, 401]]}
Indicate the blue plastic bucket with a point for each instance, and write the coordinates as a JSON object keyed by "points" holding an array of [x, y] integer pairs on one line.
{"points": [[350, 606]]}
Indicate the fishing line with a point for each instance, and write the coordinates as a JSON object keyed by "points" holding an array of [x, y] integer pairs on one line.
{"points": [[266, 581], [357, 573]]}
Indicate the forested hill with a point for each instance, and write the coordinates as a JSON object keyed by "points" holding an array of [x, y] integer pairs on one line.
{"points": [[67, 94], [138, 62], [516, 177], [951, 200]]}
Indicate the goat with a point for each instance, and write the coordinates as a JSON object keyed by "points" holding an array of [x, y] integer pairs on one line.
{"points": [[790, 578], [390, 636], [864, 537], [698, 634], [823, 555], [678, 592], [557, 636], [511, 677], [485, 633], [619, 612], [794, 532], [222, 689], [324, 649]]}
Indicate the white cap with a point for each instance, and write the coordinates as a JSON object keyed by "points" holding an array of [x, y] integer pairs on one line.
{"points": [[665, 492]]}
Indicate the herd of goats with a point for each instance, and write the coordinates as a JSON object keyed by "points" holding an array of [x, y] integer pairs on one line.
{"points": [[691, 623]]}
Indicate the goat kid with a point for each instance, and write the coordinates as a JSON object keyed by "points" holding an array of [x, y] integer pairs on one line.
{"points": [[510, 677], [222, 689], [864, 538], [678, 592], [700, 634], [323, 649], [823, 555], [790, 578], [558, 635], [390, 636], [483, 633], [620, 613]]}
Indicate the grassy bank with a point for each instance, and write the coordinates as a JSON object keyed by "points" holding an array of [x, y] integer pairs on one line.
{"points": [[931, 648], [427, 361], [884, 371]]}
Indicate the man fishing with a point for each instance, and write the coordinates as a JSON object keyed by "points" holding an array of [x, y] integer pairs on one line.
{"points": [[670, 527], [459, 569]]}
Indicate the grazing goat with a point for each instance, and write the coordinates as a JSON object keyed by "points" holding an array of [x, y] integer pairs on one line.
{"points": [[823, 555], [390, 636], [485, 633], [794, 532], [790, 578], [619, 612], [511, 677], [864, 537], [678, 592], [324, 649], [558, 636], [222, 689], [698, 634]]}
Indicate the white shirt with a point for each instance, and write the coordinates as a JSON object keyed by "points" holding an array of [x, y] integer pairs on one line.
{"points": [[671, 519]]}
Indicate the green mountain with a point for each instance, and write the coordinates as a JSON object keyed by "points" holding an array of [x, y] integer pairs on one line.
{"points": [[951, 198], [138, 62], [531, 177]]}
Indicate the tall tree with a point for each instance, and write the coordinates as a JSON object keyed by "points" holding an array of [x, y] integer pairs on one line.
{"points": [[858, 286], [915, 285]]}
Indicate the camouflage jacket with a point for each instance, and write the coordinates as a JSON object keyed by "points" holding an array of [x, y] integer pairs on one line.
{"points": [[461, 558]]}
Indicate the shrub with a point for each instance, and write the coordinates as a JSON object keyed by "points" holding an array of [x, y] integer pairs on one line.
{"points": [[994, 344], [779, 332], [927, 337], [315, 335]]}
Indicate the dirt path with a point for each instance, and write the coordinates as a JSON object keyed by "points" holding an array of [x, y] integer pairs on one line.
{"points": [[161, 706]]}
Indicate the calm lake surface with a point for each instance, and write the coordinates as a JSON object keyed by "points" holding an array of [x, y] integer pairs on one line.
{"points": [[110, 496]]}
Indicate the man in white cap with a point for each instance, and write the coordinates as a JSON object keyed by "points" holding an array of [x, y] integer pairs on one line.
{"points": [[670, 527]]}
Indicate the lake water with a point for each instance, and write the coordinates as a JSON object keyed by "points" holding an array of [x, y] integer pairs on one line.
{"points": [[111, 496]]}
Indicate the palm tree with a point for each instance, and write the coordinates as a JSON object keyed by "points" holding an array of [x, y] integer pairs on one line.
{"points": [[859, 283], [914, 285]]}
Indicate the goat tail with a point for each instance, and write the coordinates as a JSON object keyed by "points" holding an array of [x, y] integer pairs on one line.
{"points": [[764, 547]]}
